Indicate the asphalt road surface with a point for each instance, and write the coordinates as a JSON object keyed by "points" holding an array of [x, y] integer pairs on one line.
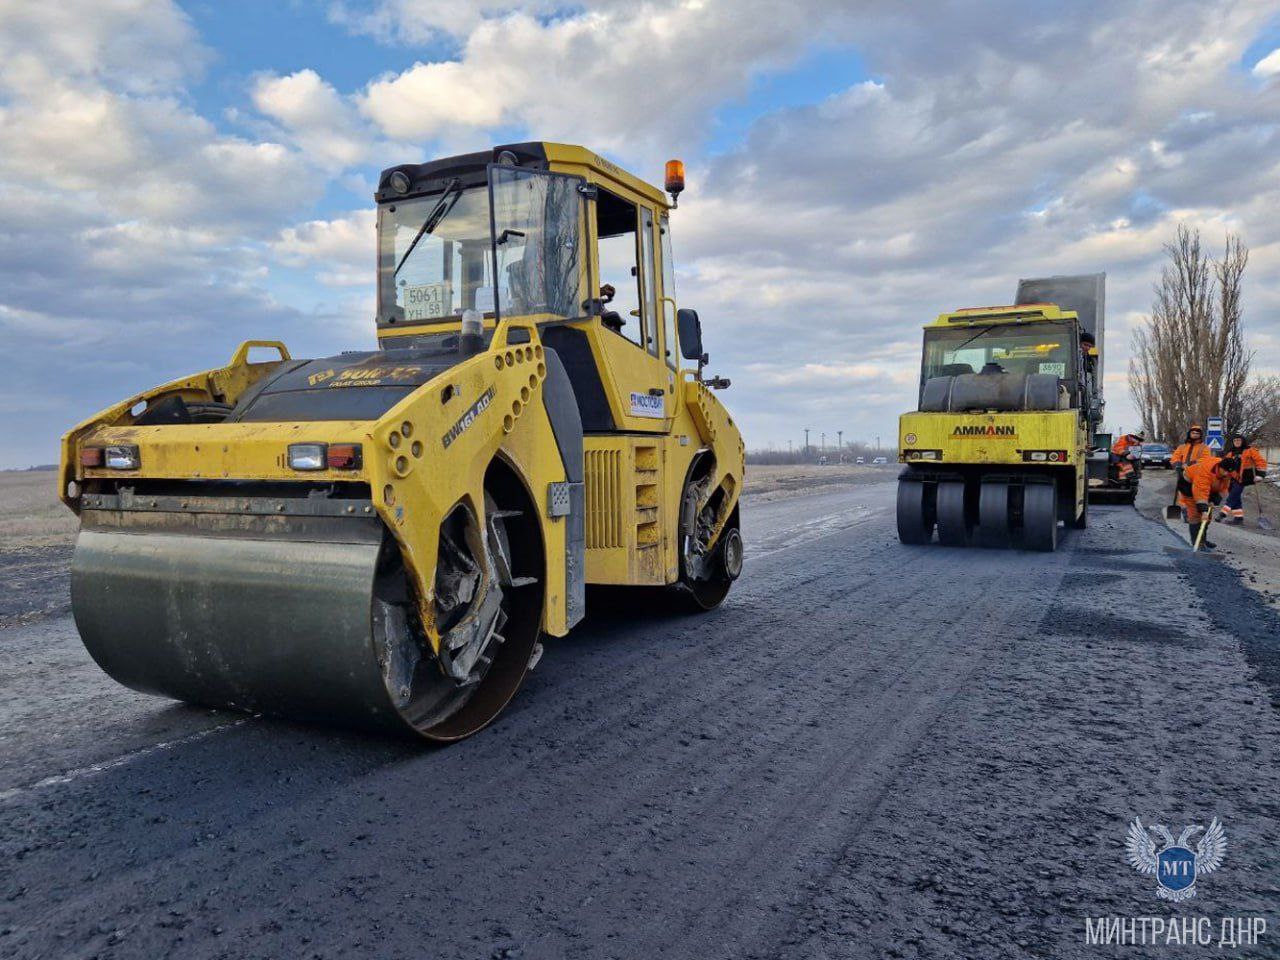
{"points": [[870, 750]]}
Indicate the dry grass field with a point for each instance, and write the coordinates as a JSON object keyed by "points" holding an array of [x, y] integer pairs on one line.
{"points": [[31, 514], [772, 482]]}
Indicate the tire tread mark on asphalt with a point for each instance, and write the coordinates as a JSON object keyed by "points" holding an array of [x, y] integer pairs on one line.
{"points": [[560, 780], [93, 770], [901, 731]]}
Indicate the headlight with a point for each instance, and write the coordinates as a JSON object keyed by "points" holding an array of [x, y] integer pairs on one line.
{"points": [[308, 456], [122, 458]]}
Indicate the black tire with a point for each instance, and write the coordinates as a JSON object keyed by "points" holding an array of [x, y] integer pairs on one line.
{"points": [[707, 593], [993, 515], [915, 511], [1040, 517], [953, 527]]}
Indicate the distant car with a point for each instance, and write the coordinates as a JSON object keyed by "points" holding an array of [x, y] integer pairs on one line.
{"points": [[880, 460], [822, 461], [1156, 455], [861, 460]]}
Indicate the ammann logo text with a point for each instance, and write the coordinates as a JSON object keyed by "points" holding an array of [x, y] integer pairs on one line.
{"points": [[468, 418], [990, 430]]}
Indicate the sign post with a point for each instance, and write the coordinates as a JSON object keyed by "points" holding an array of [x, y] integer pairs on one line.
{"points": [[1213, 438]]}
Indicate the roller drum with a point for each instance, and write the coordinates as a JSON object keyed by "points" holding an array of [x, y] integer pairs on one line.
{"points": [[271, 626]]}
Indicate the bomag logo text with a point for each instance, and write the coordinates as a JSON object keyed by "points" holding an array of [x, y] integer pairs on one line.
{"points": [[373, 376], [990, 430]]}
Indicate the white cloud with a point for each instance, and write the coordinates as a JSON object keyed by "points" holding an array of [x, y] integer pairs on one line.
{"points": [[425, 21], [1268, 66], [619, 76], [990, 144], [134, 231], [140, 46], [839, 228], [322, 123], [341, 249]]}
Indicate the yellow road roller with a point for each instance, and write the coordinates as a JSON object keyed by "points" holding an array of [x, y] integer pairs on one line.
{"points": [[998, 452], [381, 538]]}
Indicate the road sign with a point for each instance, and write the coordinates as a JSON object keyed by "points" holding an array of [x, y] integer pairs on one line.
{"points": [[1213, 438]]}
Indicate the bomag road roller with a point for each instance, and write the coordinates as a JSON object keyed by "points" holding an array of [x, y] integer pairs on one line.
{"points": [[380, 538], [997, 453]]}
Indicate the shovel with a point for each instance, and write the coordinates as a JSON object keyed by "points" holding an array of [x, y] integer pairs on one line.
{"points": [[1264, 522], [1204, 525], [1173, 511]]}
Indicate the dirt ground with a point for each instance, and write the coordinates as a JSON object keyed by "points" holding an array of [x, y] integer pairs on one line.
{"points": [[36, 536]]}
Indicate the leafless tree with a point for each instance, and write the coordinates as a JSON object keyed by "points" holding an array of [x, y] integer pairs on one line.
{"points": [[1256, 413], [1190, 360]]}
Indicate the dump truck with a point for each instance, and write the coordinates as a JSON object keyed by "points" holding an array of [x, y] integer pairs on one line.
{"points": [[381, 538], [997, 453]]}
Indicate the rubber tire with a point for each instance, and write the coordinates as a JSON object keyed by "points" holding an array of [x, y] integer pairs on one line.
{"points": [[701, 596], [994, 525], [1040, 517], [1082, 522], [953, 530], [915, 513]]}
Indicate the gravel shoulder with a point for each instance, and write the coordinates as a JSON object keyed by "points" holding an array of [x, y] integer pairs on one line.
{"points": [[1249, 549]]}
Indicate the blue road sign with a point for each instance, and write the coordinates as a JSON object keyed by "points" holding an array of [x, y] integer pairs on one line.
{"points": [[1213, 438]]}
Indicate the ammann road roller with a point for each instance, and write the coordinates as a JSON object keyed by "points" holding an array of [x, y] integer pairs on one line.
{"points": [[998, 452], [381, 538]]}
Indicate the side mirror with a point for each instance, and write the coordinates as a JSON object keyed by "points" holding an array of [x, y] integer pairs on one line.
{"points": [[690, 331]]}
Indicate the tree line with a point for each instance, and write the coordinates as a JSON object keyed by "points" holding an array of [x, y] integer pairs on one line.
{"points": [[1190, 358]]}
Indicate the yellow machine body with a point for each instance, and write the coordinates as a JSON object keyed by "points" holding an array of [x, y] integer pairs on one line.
{"points": [[468, 431], [997, 456]]}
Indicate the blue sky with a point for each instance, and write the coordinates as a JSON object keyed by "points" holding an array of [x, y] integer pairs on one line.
{"points": [[175, 177]]}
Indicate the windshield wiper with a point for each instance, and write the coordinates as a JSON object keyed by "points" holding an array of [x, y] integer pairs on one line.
{"points": [[447, 199], [975, 337]]}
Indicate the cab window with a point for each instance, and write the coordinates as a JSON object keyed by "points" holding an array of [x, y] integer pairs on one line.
{"points": [[669, 296], [648, 286], [617, 231]]}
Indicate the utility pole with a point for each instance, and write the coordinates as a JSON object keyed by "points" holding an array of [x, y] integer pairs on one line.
{"points": [[840, 441], [823, 448], [806, 441], [877, 444]]}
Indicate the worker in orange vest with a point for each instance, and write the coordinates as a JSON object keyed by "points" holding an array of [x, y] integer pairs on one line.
{"points": [[1209, 480], [1124, 453], [1191, 450], [1253, 467]]}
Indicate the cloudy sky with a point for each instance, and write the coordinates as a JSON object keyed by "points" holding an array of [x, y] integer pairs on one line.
{"points": [[178, 176]]}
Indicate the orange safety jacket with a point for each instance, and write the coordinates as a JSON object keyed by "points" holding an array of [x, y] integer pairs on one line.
{"points": [[1205, 479], [1125, 444], [1190, 453], [1251, 459]]}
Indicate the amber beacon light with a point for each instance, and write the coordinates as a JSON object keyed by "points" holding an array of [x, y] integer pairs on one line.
{"points": [[675, 180]]}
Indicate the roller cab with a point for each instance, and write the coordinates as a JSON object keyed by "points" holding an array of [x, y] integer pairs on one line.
{"points": [[382, 537], [996, 454]]}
